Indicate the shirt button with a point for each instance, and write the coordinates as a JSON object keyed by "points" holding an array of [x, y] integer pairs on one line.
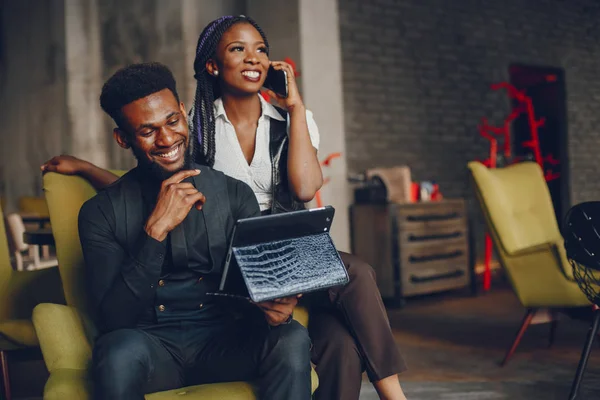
{"points": [[201, 305], [161, 308], [161, 283], [152, 286]]}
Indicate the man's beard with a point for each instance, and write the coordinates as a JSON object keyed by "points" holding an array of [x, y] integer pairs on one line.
{"points": [[154, 168]]}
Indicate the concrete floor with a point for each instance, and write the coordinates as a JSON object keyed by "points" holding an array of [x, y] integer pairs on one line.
{"points": [[453, 344]]}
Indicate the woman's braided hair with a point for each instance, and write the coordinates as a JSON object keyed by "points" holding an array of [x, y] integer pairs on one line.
{"points": [[207, 88]]}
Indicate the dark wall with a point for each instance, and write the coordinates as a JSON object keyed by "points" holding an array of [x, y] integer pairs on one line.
{"points": [[417, 75]]}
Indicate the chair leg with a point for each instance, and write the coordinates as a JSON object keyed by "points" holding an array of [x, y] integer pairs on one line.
{"points": [[45, 252], [5, 375], [585, 354], [524, 325]]}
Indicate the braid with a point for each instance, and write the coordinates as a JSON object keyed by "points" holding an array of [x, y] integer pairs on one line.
{"points": [[207, 87]]}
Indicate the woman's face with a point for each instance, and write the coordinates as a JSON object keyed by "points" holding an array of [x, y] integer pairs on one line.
{"points": [[242, 60]]}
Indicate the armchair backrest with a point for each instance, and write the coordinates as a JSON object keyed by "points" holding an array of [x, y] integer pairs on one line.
{"points": [[65, 195], [518, 210], [517, 202]]}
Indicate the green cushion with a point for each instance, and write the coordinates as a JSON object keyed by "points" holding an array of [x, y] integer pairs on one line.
{"points": [[218, 391], [75, 384], [72, 384]]}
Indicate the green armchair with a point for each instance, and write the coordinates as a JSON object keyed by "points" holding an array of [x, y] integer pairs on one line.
{"points": [[20, 292], [520, 217], [66, 334]]}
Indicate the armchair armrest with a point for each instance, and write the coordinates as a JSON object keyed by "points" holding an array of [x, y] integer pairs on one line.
{"points": [[61, 333], [26, 289], [538, 248], [301, 315], [551, 249]]}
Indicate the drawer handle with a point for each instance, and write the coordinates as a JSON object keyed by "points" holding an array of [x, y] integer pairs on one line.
{"points": [[422, 238], [441, 256], [424, 279], [432, 217]]}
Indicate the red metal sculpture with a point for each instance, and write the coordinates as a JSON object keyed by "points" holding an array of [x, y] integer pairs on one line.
{"points": [[489, 132]]}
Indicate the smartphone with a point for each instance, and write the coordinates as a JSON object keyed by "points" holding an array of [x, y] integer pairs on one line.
{"points": [[277, 82]]}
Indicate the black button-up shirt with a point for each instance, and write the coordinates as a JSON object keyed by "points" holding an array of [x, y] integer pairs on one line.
{"points": [[182, 289], [141, 286]]}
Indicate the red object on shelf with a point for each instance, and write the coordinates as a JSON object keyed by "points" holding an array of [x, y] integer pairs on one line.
{"points": [[436, 195], [415, 188]]}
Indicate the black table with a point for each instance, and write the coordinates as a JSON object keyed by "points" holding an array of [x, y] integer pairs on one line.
{"points": [[42, 220], [39, 236]]}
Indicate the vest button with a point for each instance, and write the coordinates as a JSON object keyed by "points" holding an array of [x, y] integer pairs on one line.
{"points": [[201, 305], [161, 283], [200, 279], [161, 308]]}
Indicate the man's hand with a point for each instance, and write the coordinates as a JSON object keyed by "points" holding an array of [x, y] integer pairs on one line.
{"points": [[174, 202], [63, 164], [279, 311]]}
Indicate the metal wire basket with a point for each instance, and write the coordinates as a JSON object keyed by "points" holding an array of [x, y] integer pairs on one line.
{"points": [[588, 281], [582, 242]]}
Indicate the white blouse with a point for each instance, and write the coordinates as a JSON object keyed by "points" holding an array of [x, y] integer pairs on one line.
{"points": [[230, 159]]}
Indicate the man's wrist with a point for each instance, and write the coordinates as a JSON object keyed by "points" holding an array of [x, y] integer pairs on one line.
{"points": [[156, 231]]}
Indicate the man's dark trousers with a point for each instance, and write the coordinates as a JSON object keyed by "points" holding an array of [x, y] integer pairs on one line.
{"points": [[127, 363]]}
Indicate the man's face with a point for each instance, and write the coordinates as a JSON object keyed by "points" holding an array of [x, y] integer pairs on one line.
{"points": [[157, 132]]}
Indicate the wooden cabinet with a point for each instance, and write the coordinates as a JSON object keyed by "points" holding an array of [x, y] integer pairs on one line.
{"points": [[415, 248]]}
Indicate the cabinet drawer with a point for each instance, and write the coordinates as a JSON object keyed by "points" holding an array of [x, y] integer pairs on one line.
{"points": [[411, 216], [433, 235], [434, 278], [422, 255]]}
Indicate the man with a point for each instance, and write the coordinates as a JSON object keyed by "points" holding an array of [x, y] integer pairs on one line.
{"points": [[154, 243]]}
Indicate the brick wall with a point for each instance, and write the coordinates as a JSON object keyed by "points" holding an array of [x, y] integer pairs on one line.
{"points": [[416, 77]]}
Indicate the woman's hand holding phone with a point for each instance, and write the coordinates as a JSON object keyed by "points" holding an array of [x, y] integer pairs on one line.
{"points": [[293, 99]]}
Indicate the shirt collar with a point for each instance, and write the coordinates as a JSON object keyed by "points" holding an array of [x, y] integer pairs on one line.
{"points": [[267, 109]]}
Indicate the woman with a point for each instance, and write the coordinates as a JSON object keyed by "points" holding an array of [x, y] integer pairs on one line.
{"points": [[275, 152]]}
